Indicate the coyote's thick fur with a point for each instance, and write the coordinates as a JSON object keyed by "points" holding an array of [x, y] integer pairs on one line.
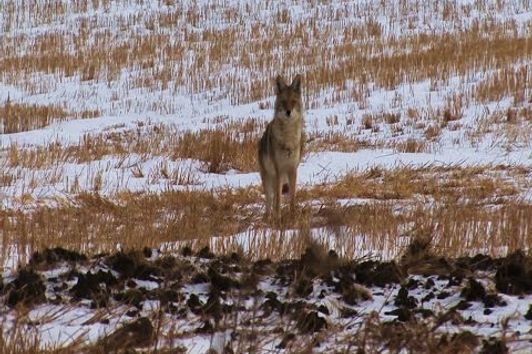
{"points": [[281, 145]]}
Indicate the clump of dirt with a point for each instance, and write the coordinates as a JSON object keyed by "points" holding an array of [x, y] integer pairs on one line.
{"points": [[413, 337], [51, 256], [403, 300], [323, 309], [403, 314], [133, 265], [232, 258], [493, 346], [314, 262], [139, 333], [194, 304], [166, 295], [346, 312], [399, 337], [262, 267], [271, 304], [380, 274], [311, 322], [199, 277], [166, 262], [186, 251], [514, 274], [462, 305], [528, 314], [303, 286], [147, 252], [343, 282], [221, 282], [213, 306], [172, 268], [205, 253], [300, 274], [28, 288], [286, 272], [353, 293], [425, 313], [478, 262], [419, 259], [132, 297], [473, 291], [89, 287]]}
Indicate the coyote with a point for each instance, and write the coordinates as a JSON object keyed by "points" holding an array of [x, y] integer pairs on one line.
{"points": [[281, 146]]}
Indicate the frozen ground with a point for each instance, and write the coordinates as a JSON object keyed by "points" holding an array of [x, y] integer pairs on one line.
{"points": [[481, 133], [451, 149], [199, 302]]}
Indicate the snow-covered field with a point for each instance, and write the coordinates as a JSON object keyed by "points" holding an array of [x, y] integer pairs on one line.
{"points": [[475, 134], [418, 117], [318, 303]]}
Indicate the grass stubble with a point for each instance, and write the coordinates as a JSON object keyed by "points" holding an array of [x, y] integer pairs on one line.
{"points": [[459, 208]]}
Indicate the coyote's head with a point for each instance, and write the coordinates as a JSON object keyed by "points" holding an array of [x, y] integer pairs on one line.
{"points": [[288, 102]]}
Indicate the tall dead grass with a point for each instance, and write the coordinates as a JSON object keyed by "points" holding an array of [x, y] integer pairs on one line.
{"points": [[462, 207], [18, 117]]}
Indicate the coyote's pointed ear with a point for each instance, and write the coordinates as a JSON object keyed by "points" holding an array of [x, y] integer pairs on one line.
{"points": [[279, 84], [296, 84]]}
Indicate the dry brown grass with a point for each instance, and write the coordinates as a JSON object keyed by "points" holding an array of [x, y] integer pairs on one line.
{"points": [[230, 147], [363, 56], [441, 183], [21, 117], [226, 146], [19, 341], [462, 206], [18, 117], [360, 52], [221, 150], [174, 50], [411, 145], [129, 220], [432, 132], [334, 141], [506, 82]]}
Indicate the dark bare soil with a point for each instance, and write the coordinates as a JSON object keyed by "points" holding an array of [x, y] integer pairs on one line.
{"points": [[293, 291]]}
